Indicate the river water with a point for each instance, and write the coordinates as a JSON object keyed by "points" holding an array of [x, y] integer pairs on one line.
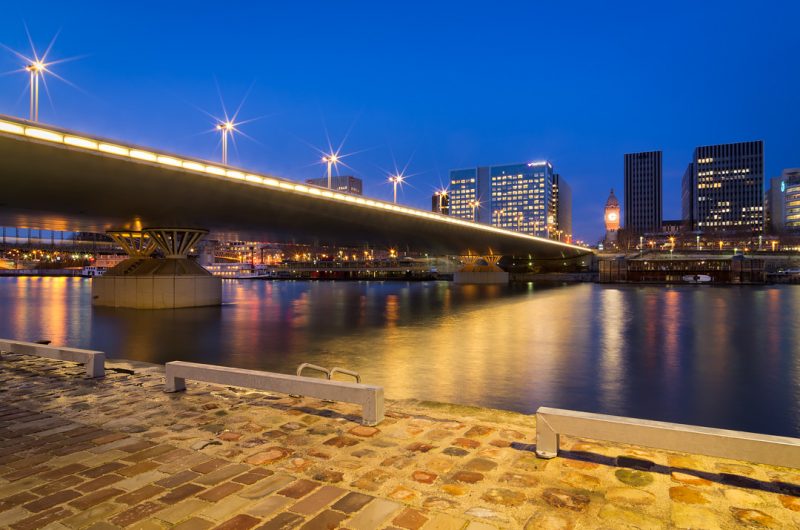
{"points": [[717, 356]]}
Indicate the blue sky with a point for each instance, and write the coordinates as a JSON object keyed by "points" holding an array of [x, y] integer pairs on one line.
{"points": [[437, 85]]}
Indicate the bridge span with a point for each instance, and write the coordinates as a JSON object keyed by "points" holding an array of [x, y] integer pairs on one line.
{"points": [[57, 179]]}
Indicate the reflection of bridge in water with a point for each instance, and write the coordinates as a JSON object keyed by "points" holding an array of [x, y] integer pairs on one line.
{"points": [[57, 179]]}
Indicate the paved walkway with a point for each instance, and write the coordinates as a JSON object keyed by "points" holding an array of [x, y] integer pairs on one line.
{"points": [[120, 453]]}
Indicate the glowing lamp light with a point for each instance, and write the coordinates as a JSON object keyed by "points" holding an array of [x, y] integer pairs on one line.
{"points": [[36, 67]]}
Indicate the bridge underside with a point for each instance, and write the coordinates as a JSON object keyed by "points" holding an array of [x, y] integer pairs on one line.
{"points": [[53, 186]]}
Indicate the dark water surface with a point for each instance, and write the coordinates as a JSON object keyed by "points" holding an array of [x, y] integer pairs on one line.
{"points": [[717, 356]]}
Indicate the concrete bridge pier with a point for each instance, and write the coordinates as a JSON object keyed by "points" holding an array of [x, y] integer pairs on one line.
{"points": [[481, 270], [145, 282]]}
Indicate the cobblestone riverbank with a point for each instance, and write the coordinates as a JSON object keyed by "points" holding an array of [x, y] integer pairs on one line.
{"points": [[118, 452]]}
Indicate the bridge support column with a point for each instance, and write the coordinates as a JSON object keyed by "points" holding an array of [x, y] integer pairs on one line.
{"points": [[145, 282], [481, 270]]}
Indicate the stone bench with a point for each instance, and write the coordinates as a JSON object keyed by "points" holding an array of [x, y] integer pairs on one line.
{"points": [[93, 360], [735, 445], [369, 397]]}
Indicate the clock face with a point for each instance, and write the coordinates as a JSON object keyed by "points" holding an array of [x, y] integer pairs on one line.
{"points": [[612, 216]]}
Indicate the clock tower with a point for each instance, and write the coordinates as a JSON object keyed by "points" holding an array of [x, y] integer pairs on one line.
{"points": [[612, 217]]}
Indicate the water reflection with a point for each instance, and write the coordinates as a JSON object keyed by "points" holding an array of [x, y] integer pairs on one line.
{"points": [[726, 357]]}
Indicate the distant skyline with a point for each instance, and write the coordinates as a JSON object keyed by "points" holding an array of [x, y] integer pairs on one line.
{"points": [[433, 86]]}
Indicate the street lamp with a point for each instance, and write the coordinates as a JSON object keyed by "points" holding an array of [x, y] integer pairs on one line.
{"points": [[226, 128], [331, 160], [498, 214], [36, 69], [474, 204], [520, 217], [395, 180]]}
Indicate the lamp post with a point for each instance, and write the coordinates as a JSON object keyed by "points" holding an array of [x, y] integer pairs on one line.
{"points": [[36, 69], [395, 180], [474, 205], [226, 128], [498, 214], [330, 159]]}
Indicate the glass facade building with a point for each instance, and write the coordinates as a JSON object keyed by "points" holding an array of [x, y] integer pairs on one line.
{"points": [[523, 197], [726, 188], [642, 206], [790, 186]]}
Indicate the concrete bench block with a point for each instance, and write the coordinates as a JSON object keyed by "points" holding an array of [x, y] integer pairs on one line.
{"points": [[94, 361], [722, 443], [369, 397]]}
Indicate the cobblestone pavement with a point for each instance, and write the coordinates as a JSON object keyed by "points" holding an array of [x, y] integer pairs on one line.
{"points": [[120, 453]]}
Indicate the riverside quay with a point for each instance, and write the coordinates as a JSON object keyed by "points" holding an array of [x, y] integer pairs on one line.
{"points": [[82, 452]]}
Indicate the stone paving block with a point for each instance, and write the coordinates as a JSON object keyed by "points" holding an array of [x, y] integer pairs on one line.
{"points": [[138, 495], [326, 520], [70, 481], [218, 493], [140, 480], [136, 513], [268, 506], [178, 512], [137, 469], [352, 502], [223, 473], [283, 521], [374, 514], [41, 520], [194, 523], [298, 489], [221, 511], [178, 479], [317, 500], [96, 497], [45, 503], [180, 493], [267, 486], [239, 522], [410, 519], [95, 514]]}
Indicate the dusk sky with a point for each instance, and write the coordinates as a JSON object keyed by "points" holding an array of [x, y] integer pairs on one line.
{"points": [[437, 85]]}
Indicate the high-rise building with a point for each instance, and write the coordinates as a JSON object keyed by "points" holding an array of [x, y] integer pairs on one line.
{"points": [[642, 202], [469, 194], [345, 183], [561, 208], [791, 199], [774, 207], [512, 196], [440, 202], [725, 188], [687, 197]]}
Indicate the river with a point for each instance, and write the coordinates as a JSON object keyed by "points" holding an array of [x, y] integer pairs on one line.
{"points": [[716, 356]]}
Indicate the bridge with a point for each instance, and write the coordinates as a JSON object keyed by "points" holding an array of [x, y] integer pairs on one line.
{"points": [[56, 179]]}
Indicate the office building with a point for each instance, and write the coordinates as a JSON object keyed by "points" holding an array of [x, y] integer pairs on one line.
{"points": [[469, 194], [687, 197], [561, 208], [773, 206], [512, 196], [642, 199], [345, 183], [723, 189], [440, 202], [791, 200]]}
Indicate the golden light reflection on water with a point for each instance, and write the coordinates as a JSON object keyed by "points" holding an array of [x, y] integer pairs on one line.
{"points": [[727, 357]]}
